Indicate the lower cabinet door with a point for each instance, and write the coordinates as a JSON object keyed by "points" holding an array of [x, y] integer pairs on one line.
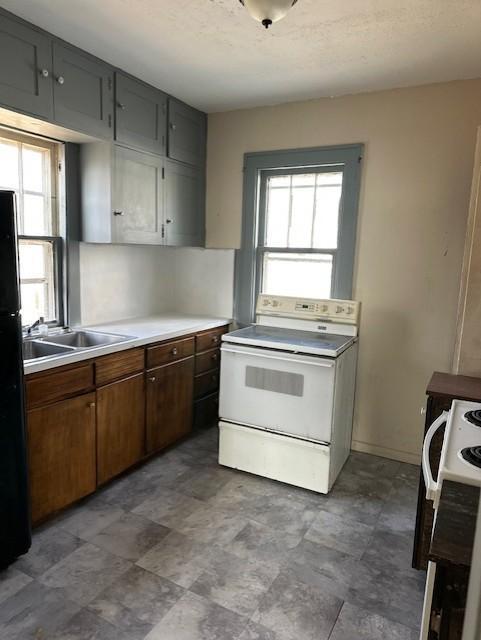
{"points": [[120, 426], [61, 452], [170, 391]]}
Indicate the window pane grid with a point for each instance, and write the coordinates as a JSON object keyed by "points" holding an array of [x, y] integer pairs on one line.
{"points": [[28, 170]]}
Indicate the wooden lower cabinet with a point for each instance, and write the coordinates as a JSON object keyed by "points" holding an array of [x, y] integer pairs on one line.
{"points": [[170, 394], [61, 450], [120, 426]]}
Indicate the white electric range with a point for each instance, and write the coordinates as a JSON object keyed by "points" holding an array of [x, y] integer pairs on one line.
{"points": [[287, 391], [460, 462]]}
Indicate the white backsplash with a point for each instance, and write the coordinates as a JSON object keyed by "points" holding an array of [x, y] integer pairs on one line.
{"points": [[118, 281]]}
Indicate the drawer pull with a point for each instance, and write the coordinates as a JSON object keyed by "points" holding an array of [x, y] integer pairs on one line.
{"points": [[91, 405], [214, 356], [215, 339], [175, 351], [152, 379]]}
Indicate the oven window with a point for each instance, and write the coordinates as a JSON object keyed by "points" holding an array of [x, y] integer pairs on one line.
{"points": [[291, 384]]}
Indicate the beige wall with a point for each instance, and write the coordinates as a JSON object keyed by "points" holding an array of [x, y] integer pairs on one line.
{"points": [[467, 356], [417, 174]]}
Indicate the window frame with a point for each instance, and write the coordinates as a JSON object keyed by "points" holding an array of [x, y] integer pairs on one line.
{"points": [[257, 168], [55, 237]]}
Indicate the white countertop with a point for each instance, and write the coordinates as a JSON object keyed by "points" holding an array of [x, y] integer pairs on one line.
{"points": [[142, 331]]}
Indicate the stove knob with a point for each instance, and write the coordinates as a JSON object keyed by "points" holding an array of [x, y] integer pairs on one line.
{"points": [[339, 309]]}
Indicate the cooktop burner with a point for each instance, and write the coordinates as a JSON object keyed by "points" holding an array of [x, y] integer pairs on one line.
{"points": [[474, 417], [472, 455]]}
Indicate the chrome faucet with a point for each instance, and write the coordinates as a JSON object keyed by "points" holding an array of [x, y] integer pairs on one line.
{"points": [[33, 326]]}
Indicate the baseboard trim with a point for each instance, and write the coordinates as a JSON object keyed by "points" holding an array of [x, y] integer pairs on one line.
{"points": [[385, 452]]}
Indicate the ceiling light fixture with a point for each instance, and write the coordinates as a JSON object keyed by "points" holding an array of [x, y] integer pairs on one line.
{"points": [[268, 11]]}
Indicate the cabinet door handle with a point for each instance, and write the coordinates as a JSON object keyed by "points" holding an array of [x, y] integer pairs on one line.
{"points": [[169, 221], [121, 105], [61, 80], [44, 73], [174, 351], [91, 405], [118, 213], [173, 126], [152, 379]]}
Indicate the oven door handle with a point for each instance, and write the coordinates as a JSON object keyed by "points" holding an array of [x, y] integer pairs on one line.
{"points": [[432, 487], [326, 365]]}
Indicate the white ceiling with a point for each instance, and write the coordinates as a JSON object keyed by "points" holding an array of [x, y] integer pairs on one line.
{"points": [[214, 56]]}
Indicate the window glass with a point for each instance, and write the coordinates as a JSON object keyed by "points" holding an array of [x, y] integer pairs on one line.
{"points": [[306, 275], [26, 169]]}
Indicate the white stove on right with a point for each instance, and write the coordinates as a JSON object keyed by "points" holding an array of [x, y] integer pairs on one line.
{"points": [[460, 462]]}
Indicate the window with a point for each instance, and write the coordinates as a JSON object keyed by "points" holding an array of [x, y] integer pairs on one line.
{"points": [[299, 225], [299, 232], [28, 167]]}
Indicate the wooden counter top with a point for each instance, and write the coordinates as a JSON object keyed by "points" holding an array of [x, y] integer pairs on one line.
{"points": [[450, 384]]}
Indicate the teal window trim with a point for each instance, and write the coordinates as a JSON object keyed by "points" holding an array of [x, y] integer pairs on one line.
{"points": [[259, 165]]}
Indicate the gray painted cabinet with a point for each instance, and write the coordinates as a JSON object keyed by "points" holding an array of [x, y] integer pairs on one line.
{"points": [[138, 195], [122, 195], [83, 92], [186, 133], [141, 115], [184, 214], [25, 69]]}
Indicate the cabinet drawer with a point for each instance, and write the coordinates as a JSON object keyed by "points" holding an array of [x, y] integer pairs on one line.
{"points": [[169, 352], [119, 365], [209, 339], [206, 411], [207, 361], [48, 387], [206, 383]]}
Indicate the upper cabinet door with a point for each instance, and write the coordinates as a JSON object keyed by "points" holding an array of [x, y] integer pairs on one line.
{"points": [[141, 115], [137, 197], [187, 133], [25, 69], [184, 214], [83, 90]]}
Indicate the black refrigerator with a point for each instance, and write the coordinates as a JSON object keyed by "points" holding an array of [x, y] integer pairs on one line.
{"points": [[15, 530]]}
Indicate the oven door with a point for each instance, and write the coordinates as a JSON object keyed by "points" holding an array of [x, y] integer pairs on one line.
{"points": [[279, 391]]}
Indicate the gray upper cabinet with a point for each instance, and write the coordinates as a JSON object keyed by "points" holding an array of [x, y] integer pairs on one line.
{"points": [[122, 195], [25, 69], [184, 214], [137, 197], [83, 92], [141, 115], [186, 133]]}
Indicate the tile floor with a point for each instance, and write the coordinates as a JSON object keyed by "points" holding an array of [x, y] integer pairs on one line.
{"points": [[182, 549]]}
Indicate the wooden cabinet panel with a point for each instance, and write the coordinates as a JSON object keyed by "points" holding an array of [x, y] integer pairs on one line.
{"points": [[186, 133], [206, 383], [61, 446], [206, 411], [137, 197], [141, 115], [26, 69], [169, 403], [169, 352], [119, 365], [83, 92], [207, 360], [209, 339], [120, 426], [184, 210], [54, 385]]}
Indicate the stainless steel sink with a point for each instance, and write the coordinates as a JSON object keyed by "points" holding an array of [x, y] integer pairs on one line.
{"points": [[86, 339], [33, 349]]}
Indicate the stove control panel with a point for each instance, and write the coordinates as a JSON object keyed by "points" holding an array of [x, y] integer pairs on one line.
{"points": [[329, 310]]}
